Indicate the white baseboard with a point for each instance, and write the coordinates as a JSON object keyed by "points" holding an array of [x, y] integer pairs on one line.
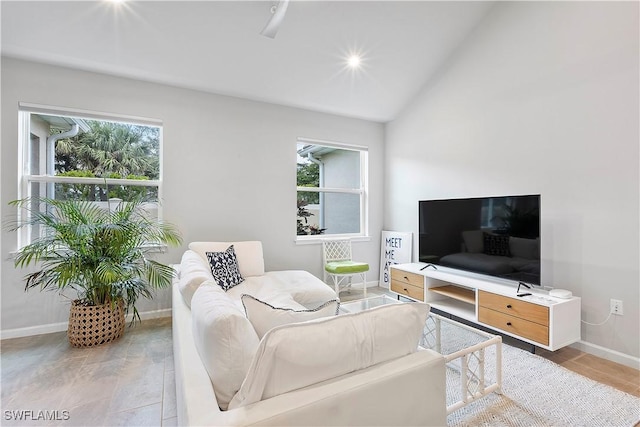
{"points": [[34, 330], [608, 354], [370, 284], [155, 314], [62, 326]]}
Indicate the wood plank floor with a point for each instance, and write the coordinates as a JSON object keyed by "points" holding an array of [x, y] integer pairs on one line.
{"points": [[614, 374]]}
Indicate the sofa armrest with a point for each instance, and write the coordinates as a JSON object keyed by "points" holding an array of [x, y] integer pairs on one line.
{"points": [[195, 398], [406, 391], [409, 390]]}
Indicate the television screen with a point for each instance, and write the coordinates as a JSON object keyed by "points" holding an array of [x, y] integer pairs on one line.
{"points": [[495, 236]]}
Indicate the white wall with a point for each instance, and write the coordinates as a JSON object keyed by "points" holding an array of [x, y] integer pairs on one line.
{"points": [[542, 98], [223, 158]]}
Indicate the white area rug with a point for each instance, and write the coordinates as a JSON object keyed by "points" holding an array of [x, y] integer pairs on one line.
{"points": [[538, 392]]}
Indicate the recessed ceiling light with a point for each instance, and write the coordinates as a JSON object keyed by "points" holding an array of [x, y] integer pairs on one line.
{"points": [[354, 61]]}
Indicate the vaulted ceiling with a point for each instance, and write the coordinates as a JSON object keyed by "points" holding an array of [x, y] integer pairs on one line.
{"points": [[216, 46]]}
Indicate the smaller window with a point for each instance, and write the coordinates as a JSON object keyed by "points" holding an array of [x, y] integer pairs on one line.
{"points": [[331, 189]]}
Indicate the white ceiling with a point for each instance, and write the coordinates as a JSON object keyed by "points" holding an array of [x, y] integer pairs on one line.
{"points": [[215, 46]]}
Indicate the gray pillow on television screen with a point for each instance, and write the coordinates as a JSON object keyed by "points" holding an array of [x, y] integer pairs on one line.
{"points": [[524, 248], [473, 241]]}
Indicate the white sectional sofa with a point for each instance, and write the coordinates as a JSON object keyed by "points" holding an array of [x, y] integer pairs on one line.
{"points": [[246, 364]]}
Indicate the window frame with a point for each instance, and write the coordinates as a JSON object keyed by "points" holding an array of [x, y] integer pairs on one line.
{"points": [[25, 178], [362, 192]]}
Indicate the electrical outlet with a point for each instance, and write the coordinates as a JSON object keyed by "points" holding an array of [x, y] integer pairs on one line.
{"points": [[616, 307]]}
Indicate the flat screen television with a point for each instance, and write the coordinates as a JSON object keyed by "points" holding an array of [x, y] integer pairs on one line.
{"points": [[493, 236]]}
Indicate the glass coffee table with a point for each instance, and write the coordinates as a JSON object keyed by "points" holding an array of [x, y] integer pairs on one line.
{"points": [[367, 303], [465, 349]]}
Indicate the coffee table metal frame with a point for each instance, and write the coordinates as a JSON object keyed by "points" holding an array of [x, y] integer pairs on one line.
{"points": [[474, 383]]}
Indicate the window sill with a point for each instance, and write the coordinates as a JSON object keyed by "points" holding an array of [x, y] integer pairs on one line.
{"points": [[319, 239]]}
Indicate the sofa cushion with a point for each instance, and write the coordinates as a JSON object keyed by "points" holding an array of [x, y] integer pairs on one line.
{"points": [[224, 267], [303, 287], [249, 254], [264, 316], [193, 272], [280, 300], [346, 267], [225, 339], [297, 355]]}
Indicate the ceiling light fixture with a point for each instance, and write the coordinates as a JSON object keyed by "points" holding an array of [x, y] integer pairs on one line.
{"points": [[277, 16], [354, 61]]}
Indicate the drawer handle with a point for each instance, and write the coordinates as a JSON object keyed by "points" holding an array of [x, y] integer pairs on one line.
{"points": [[406, 278], [508, 323], [508, 305], [405, 289]]}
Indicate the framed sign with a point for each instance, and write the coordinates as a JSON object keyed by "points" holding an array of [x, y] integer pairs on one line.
{"points": [[395, 248]]}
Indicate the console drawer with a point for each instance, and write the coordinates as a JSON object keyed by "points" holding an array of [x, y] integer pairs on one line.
{"points": [[403, 288], [408, 278], [514, 325], [514, 307]]}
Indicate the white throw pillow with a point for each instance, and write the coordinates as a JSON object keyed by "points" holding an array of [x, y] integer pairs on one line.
{"points": [[225, 339], [264, 316], [193, 272], [280, 300], [249, 254], [297, 355]]}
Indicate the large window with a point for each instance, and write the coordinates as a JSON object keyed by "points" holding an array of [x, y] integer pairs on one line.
{"points": [[88, 156], [332, 189]]}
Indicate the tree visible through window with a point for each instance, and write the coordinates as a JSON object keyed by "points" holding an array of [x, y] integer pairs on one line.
{"points": [[331, 189], [109, 150], [84, 158]]}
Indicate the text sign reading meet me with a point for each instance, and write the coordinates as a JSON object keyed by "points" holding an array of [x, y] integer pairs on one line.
{"points": [[395, 249]]}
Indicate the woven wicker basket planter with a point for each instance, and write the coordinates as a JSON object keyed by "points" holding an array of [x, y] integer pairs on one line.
{"points": [[90, 326]]}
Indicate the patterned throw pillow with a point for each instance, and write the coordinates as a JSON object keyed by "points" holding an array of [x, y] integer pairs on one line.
{"points": [[496, 244], [224, 266]]}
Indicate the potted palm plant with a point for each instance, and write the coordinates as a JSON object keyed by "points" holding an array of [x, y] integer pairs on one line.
{"points": [[102, 254]]}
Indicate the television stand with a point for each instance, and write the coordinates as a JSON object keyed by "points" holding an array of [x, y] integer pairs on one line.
{"points": [[538, 319]]}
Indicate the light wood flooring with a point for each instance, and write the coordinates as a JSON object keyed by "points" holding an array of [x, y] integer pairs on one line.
{"points": [[131, 381], [614, 374]]}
